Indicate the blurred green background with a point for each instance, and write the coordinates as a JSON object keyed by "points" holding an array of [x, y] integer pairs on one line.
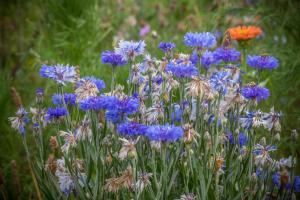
{"points": [[76, 32]]}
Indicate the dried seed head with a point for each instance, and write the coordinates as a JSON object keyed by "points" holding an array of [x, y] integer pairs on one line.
{"points": [[16, 97], [51, 164], [53, 143]]}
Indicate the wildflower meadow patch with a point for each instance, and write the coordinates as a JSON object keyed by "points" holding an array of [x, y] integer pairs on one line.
{"points": [[185, 126]]}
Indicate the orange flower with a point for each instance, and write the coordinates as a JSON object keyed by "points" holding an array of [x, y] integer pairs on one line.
{"points": [[244, 32]]}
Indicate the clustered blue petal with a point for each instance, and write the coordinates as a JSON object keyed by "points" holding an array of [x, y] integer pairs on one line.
{"points": [[59, 73], [219, 81], [98, 82], [55, 113], [167, 133], [166, 46], [200, 40], [209, 58], [182, 70], [110, 57], [132, 129], [255, 92], [194, 58], [227, 54], [69, 98], [130, 49], [98, 103], [297, 184], [176, 114], [262, 62]]}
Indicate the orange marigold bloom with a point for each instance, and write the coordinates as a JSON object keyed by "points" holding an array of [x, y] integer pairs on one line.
{"points": [[244, 32]]}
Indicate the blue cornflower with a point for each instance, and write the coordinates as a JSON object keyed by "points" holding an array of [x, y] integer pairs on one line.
{"points": [[166, 46], [209, 58], [194, 58], [177, 113], [20, 120], [252, 119], [122, 108], [219, 81], [55, 113], [282, 180], [164, 133], [132, 129], [130, 49], [243, 139], [227, 54], [98, 103], [182, 70], [39, 92], [200, 40], [60, 73], [262, 154], [110, 57], [255, 92], [262, 62], [297, 184], [69, 98], [100, 84]]}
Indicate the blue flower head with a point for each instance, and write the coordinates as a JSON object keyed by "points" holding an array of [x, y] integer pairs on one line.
{"points": [[209, 58], [297, 184], [182, 70], [166, 133], [59, 73], [110, 57], [69, 99], [219, 81], [262, 62], [177, 113], [194, 58], [130, 49], [20, 120], [200, 40], [98, 103], [243, 139], [255, 92], [132, 129], [166, 46], [55, 113], [227, 54]]}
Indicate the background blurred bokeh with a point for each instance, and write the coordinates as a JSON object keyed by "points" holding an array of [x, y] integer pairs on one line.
{"points": [[75, 32]]}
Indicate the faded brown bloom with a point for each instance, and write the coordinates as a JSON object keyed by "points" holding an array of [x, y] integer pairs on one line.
{"points": [[190, 135], [53, 143], [85, 90], [51, 164], [198, 87], [128, 149], [125, 180]]}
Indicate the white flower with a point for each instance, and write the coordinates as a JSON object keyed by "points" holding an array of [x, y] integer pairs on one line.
{"points": [[69, 139]]}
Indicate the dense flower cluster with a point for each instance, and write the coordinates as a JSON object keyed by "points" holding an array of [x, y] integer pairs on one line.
{"points": [[185, 126]]}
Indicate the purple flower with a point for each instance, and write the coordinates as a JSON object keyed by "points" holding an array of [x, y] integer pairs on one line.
{"points": [[262, 62], [145, 30], [297, 184], [194, 58], [209, 58], [164, 133], [166, 46], [243, 139], [100, 84], [200, 40], [255, 92], [69, 98], [110, 57], [20, 120], [59, 73], [177, 113], [55, 113], [227, 54], [182, 70], [132, 129], [130, 49], [98, 103], [219, 81]]}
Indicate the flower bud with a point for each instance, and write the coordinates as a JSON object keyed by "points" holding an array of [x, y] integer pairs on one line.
{"points": [[277, 137], [53, 143], [294, 134], [263, 141]]}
